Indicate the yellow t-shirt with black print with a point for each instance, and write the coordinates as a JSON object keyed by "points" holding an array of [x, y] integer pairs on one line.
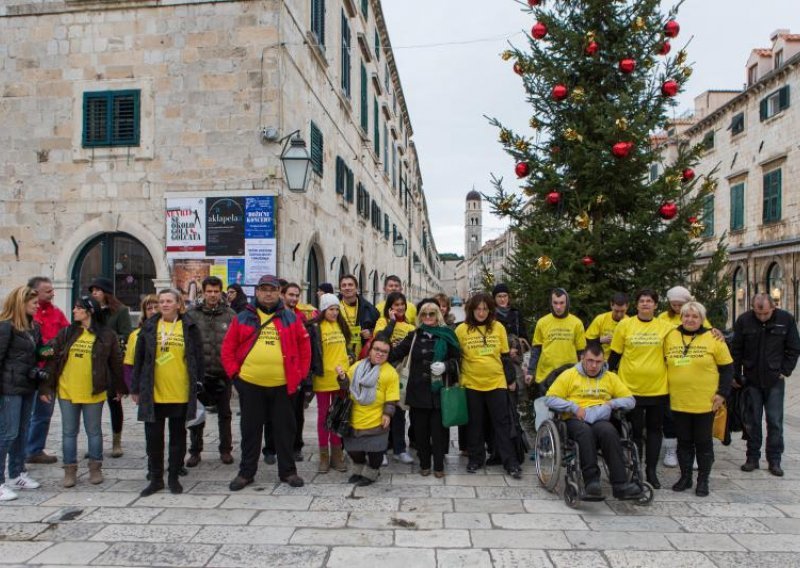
{"points": [[366, 417], [130, 347], [692, 373], [603, 325], [75, 382], [586, 391], [401, 329], [641, 344], [334, 353], [350, 315], [411, 311], [561, 339], [481, 367], [171, 375], [263, 366]]}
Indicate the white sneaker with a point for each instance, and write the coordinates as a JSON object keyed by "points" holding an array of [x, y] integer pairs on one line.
{"points": [[405, 457], [23, 482], [670, 452], [385, 461], [6, 494]]}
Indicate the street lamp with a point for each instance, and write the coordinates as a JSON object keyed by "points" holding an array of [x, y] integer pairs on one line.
{"points": [[417, 264], [400, 246], [296, 161]]}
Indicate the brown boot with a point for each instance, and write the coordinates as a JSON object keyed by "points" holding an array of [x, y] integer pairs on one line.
{"points": [[70, 475], [116, 448], [337, 459], [95, 473], [324, 461]]}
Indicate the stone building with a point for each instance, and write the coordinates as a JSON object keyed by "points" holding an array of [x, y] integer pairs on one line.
{"points": [[752, 138], [122, 116]]}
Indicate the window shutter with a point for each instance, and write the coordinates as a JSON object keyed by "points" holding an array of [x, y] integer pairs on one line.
{"points": [[365, 8], [783, 97], [364, 100], [317, 146], [339, 175], [349, 190], [345, 55], [125, 126], [376, 135], [763, 109], [95, 119]]}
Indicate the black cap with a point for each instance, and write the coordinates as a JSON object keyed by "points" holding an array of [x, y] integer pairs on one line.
{"points": [[326, 287], [103, 284], [500, 289]]}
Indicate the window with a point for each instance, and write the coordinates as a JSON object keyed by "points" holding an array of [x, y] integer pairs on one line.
{"points": [[737, 207], [365, 9], [345, 55], [737, 124], [111, 118], [752, 74], [377, 45], [385, 148], [774, 103], [341, 176], [775, 285], [653, 172], [376, 135], [316, 149], [708, 140], [739, 294], [778, 58], [348, 192], [386, 226], [318, 21], [708, 217], [364, 99], [772, 196], [362, 201], [394, 167]]}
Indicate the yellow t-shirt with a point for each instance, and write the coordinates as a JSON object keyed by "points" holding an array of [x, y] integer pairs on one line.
{"points": [[75, 382], [263, 366], [350, 314], [334, 353], [603, 325], [411, 311], [171, 375], [692, 370], [401, 329], [481, 368], [585, 391], [561, 339], [675, 319], [388, 390], [642, 347], [130, 347]]}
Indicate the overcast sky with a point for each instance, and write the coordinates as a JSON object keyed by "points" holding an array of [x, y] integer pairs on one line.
{"points": [[449, 88]]}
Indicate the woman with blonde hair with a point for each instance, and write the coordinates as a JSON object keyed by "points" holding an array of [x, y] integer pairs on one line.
{"points": [[20, 341]]}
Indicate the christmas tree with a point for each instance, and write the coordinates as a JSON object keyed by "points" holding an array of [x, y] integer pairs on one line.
{"points": [[601, 211]]}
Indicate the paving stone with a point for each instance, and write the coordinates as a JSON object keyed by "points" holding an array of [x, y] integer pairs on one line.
{"points": [[735, 510], [347, 557], [20, 531], [26, 513], [476, 480], [769, 542], [514, 558], [147, 533], [31, 498], [412, 491], [467, 521], [281, 503], [352, 504], [725, 524], [790, 510], [158, 554], [634, 524], [655, 508], [664, 559], [444, 538], [343, 537], [432, 505], [205, 517], [497, 538], [577, 558], [616, 540], [12, 551], [70, 530], [126, 516], [416, 479], [269, 556], [538, 521], [72, 553], [515, 493], [319, 519], [488, 506], [452, 492], [463, 559], [226, 534], [778, 525], [559, 507], [752, 559], [395, 520], [703, 542], [91, 499], [315, 490], [166, 499]]}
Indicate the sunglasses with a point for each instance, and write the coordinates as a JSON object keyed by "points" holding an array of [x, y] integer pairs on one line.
{"points": [[427, 314]]}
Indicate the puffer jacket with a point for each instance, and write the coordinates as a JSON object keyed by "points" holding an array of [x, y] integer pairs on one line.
{"points": [[763, 351], [17, 357], [213, 323]]}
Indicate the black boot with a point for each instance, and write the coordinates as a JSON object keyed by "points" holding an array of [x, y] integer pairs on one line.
{"points": [[704, 462], [685, 461], [652, 479]]}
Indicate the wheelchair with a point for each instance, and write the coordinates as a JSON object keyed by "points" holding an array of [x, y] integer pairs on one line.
{"points": [[554, 452]]}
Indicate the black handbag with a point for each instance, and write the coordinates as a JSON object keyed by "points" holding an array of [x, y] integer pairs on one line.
{"points": [[338, 418]]}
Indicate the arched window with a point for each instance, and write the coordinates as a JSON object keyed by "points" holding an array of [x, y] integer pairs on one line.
{"points": [[775, 285], [375, 289], [120, 257], [344, 267], [312, 276], [739, 294]]}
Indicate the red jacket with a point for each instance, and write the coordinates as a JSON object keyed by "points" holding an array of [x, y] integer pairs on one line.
{"points": [[295, 345], [51, 320]]}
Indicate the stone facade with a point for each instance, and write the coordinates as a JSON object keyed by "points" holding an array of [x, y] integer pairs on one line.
{"points": [[211, 77]]}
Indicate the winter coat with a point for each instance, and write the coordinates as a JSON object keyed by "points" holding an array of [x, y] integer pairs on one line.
{"points": [[367, 315], [418, 390], [514, 323], [17, 358], [144, 367], [762, 351], [106, 361], [120, 322], [213, 323], [51, 320], [295, 345]]}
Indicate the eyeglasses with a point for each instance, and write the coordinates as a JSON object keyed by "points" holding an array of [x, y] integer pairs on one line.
{"points": [[428, 314], [380, 351]]}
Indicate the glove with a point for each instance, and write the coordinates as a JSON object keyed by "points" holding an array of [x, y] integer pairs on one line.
{"points": [[437, 368]]}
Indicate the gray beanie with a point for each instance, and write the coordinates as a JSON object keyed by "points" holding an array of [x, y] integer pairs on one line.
{"points": [[328, 301], [679, 294]]}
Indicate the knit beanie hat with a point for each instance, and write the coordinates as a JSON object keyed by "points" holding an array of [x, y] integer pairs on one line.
{"points": [[500, 289], [328, 301], [326, 287], [679, 294]]}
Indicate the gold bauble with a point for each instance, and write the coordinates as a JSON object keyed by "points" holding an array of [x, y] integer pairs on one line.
{"points": [[506, 55], [582, 221], [621, 123], [571, 134], [709, 185], [544, 263], [696, 229], [686, 71], [674, 180], [600, 199], [639, 24], [578, 94]]}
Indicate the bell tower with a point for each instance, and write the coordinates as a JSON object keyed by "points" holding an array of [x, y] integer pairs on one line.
{"points": [[472, 225]]}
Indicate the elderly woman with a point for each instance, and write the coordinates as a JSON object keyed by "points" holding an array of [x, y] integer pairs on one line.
{"points": [[700, 374], [433, 353]]}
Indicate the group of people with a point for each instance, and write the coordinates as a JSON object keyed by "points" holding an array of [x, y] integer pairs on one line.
{"points": [[671, 372]]}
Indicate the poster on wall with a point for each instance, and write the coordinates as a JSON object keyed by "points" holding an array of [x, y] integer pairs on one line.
{"points": [[188, 274], [186, 230], [235, 271], [225, 226], [221, 272], [259, 259], [259, 218]]}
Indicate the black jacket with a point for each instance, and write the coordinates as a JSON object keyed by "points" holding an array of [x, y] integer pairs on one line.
{"points": [[143, 383], [762, 351], [513, 323], [17, 358], [106, 361], [367, 316], [418, 391], [213, 324]]}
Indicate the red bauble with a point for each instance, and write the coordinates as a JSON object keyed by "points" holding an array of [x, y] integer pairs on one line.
{"points": [[622, 149], [539, 30], [553, 197], [522, 169], [668, 210], [692, 220], [670, 88], [672, 28], [587, 260], [533, 3], [592, 48], [627, 65], [688, 175], [560, 92], [664, 48], [518, 68]]}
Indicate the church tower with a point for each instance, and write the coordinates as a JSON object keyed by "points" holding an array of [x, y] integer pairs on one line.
{"points": [[472, 225]]}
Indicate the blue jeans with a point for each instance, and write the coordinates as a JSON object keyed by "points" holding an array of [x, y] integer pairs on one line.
{"points": [[768, 401], [40, 426], [70, 425], [15, 415]]}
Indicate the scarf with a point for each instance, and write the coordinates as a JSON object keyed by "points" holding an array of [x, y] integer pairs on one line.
{"points": [[364, 385], [443, 336]]}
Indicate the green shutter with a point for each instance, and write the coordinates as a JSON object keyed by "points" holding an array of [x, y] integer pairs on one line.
{"points": [[783, 97], [340, 175], [771, 211], [317, 147], [737, 207], [365, 8], [318, 20], [345, 55], [349, 192], [376, 135], [763, 109], [377, 45], [708, 216], [111, 118], [364, 99]]}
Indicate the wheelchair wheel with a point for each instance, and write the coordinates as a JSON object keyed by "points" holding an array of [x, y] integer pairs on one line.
{"points": [[647, 494], [572, 494], [548, 454]]}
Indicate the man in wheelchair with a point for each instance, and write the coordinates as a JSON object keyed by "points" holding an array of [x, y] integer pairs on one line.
{"points": [[586, 395]]}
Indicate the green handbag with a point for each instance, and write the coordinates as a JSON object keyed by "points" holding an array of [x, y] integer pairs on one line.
{"points": [[454, 406]]}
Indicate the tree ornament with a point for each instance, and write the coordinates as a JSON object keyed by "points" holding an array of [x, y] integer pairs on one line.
{"points": [[506, 205], [639, 24], [627, 65], [686, 71], [587, 261], [696, 229], [592, 48], [709, 185], [590, 36], [680, 59], [692, 219], [664, 48], [518, 69], [600, 199], [560, 92], [506, 55], [553, 198], [578, 94], [670, 88], [528, 191], [534, 123], [505, 136], [687, 175], [522, 169], [533, 3], [582, 220], [544, 263], [539, 30], [621, 123], [622, 149], [668, 210], [522, 145], [572, 135], [672, 28]]}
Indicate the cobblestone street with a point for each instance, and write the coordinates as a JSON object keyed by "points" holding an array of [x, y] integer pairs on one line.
{"points": [[403, 520]]}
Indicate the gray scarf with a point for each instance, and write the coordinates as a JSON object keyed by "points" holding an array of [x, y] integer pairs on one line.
{"points": [[364, 385]]}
